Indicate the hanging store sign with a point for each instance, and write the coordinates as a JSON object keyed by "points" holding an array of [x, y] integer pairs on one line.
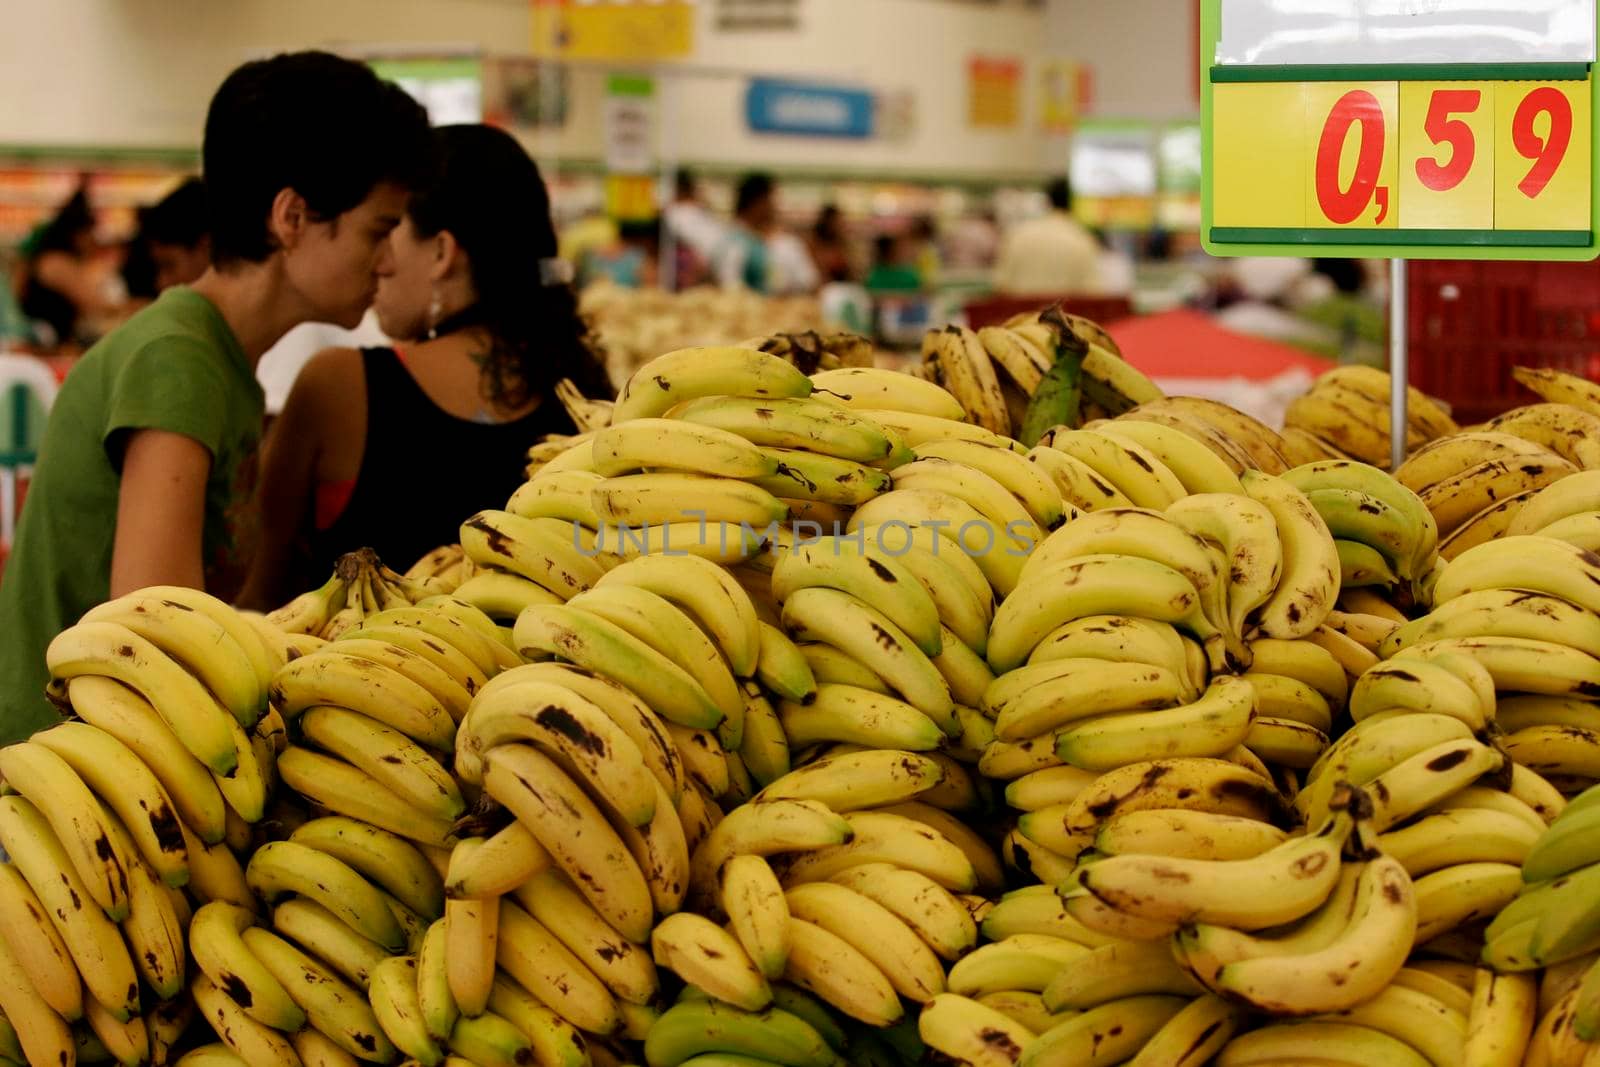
{"points": [[613, 29], [1448, 140], [994, 91], [803, 108]]}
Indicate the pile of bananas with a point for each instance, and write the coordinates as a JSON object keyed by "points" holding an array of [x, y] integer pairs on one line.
{"points": [[118, 823], [1345, 415], [633, 326], [1168, 740]]}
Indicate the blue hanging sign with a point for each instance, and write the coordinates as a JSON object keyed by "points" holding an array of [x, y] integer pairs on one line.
{"points": [[808, 109]]}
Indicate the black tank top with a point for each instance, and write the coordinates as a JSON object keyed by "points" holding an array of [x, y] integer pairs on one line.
{"points": [[424, 470]]}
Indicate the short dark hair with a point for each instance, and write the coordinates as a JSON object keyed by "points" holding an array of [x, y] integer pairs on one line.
{"points": [[324, 126], [1060, 193], [684, 182], [179, 218], [752, 189]]}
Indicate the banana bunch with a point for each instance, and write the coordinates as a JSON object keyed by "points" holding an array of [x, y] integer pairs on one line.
{"points": [[844, 878], [682, 634], [74, 970], [445, 568], [1559, 387], [1476, 483], [1186, 806], [1237, 439], [1024, 349], [586, 413], [1552, 931], [360, 586], [1548, 924], [893, 628], [1517, 607], [346, 896], [375, 715], [811, 351], [1433, 1013], [1335, 932], [1059, 991], [1457, 815], [1384, 535], [714, 450], [796, 1031], [1567, 511], [596, 785], [1346, 416], [958, 359]]}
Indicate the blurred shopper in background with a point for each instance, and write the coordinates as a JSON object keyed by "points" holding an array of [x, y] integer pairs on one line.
{"points": [[1052, 255], [925, 250], [894, 265], [757, 251], [740, 258], [175, 232], [973, 241], [489, 325], [147, 471], [68, 280], [829, 250], [694, 227], [172, 246]]}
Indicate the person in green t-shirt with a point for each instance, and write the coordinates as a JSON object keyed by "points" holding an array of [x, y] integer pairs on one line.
{"points": [[147, 469]]}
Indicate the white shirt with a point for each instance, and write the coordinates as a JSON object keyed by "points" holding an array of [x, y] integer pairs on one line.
{"points": [[790, 269], [1053, 255], [281, 364], [694, 225]]}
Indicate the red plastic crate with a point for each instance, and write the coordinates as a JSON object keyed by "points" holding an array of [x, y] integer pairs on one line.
{"points": [[1469, 323]]}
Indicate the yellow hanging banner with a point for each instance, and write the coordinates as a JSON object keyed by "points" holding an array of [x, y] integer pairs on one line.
{"points": [[613, 29]]}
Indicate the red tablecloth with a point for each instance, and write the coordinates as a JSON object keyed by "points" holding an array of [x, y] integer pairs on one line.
{"points": [[1188, 344]]}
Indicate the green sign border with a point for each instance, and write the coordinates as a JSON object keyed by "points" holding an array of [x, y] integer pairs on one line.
{"points": [[1394, 244]]}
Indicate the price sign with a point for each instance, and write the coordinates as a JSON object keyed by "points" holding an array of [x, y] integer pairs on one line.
{"points": [[1451, 160]]}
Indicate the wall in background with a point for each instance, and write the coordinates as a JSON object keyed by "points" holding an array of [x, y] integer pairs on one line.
{"points": [[1142, 53], [138, 72]]}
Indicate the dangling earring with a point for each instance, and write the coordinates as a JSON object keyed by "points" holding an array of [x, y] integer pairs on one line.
{"points": [[435, 310]]}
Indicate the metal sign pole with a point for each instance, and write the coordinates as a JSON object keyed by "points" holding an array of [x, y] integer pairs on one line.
{"points": [[1398, 375]]}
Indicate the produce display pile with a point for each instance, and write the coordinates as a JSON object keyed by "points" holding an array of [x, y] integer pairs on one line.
{"points": [[1006, 713], [636, 325]]}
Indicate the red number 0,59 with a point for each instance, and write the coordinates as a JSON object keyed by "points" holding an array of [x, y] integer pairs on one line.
{"points": [[1346, 205]]}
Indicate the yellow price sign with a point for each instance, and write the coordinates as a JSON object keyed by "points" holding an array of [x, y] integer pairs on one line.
{"points": [[1412, 155], [1350, 161], [1542, 156]]}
